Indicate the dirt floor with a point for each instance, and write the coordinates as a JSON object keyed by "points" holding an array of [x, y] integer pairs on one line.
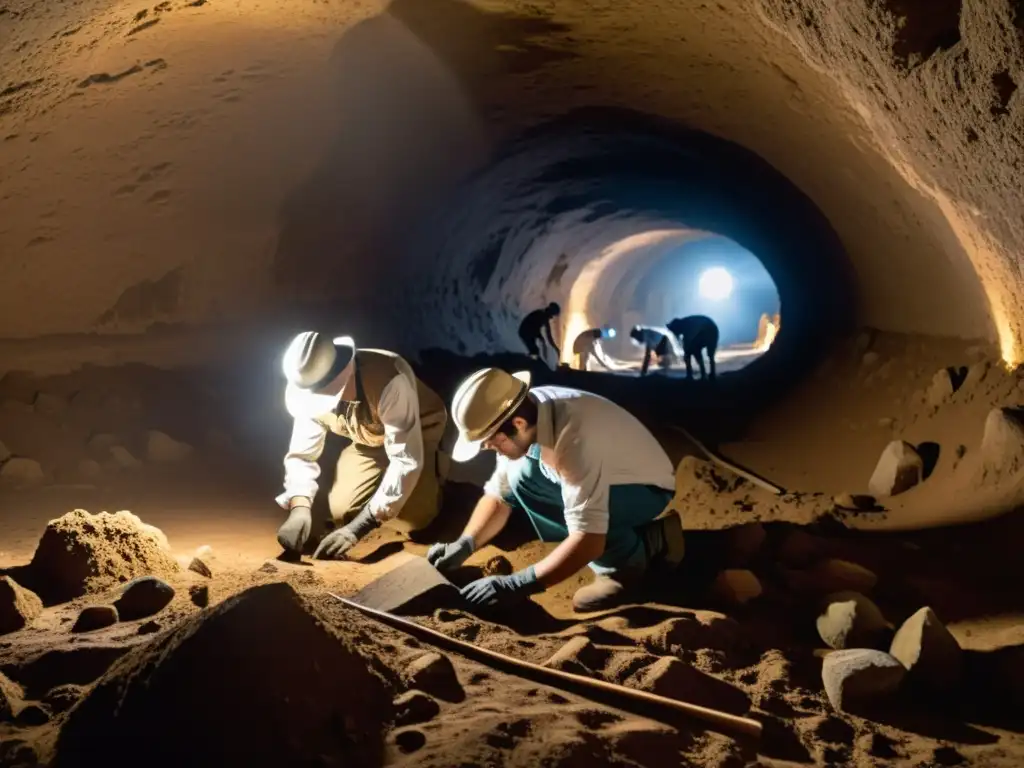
{"points": [[736, 628]]}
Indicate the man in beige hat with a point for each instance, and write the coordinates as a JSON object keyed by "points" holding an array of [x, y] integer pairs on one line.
{"points": [[388, 474], [587, 474]]}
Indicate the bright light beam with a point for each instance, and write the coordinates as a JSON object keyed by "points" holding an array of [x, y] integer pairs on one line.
{"points": [[715, 284]]}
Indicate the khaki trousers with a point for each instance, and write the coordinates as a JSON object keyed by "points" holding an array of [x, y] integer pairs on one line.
{"points": [[360, 469]]}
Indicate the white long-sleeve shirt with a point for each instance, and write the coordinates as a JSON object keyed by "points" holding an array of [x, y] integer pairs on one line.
{"points": [[588, 444], [399, 412]]}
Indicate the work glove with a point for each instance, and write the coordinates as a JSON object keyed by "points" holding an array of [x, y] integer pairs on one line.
{"points": [[336, 544], [448, 557], [294, 531], [502, 590]]}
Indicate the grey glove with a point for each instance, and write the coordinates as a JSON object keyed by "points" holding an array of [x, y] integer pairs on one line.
{"points": [[448, 557], [294, 531], [336, 544]]}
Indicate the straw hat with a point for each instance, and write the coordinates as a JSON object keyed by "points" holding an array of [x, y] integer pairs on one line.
{"points": [[482, 404], [317, 368]]}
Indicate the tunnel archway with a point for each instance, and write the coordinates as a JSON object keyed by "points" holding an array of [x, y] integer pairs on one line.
{"points": [[522, 231]]}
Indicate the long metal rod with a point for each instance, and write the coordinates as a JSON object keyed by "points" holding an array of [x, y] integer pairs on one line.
{"points": [[759, 481], [641, 702]]}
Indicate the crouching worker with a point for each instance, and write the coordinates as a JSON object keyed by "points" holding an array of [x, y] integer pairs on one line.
{"points": [[584, 471], [387, 475]]}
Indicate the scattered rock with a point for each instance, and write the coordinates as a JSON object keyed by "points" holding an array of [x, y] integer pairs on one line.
{"points": [[1002, 445], [736, 586], [930, 653], [199, 566], [63, 697], [18, 606], [744, 542], [10, 698], [32, 715], [415, 707], [498, 565], [435, 674], [268, 567], [162, 448], [286, 663], [798, 549], [833, 575], [856, 502], [95, 617], [143, 597], [850, 620], [122, 458], [899, 469], [80, 553], [675, 679], [50, 405], [199, 594], [860, 676], [578, 656], [19, 472]]}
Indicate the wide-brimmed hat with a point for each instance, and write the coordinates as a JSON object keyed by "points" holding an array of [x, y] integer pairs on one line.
{"points": [[318, 368], [482, 403]]}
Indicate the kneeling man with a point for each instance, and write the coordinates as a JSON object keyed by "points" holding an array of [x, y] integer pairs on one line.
{"points": [[394, 422], [586, 473]]}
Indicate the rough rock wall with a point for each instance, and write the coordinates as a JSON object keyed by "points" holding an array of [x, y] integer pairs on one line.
{"points": [[202, 160]]}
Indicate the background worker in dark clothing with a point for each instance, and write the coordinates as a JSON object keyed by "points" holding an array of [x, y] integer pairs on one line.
{"points": [[697, 333], [652, 341], [535, 326]]}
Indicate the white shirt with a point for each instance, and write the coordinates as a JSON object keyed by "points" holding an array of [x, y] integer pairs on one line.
{"points": [[589, 444], [399, 412]]}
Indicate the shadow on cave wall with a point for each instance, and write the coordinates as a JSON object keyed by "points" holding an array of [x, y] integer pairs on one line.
{"points": [[408, 85]]}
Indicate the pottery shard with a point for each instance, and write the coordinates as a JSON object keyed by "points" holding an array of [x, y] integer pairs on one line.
{"points": [[899, 469], [162, 448], [851, 620], [95, 617], [18, 606], [21, 473], [434, 674], [736, 586], [860, 676], [930, 653], [143, 597]]}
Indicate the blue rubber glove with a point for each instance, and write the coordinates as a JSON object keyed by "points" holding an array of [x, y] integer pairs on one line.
{"points": [[502, 590], [336, 544], [448, 557]]}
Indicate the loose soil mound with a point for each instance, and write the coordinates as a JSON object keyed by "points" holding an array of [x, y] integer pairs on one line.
{"points": [[260, 680], [81, 553]]}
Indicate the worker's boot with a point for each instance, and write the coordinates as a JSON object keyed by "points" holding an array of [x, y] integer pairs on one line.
{"points": [[605, 592], [664, 541]]}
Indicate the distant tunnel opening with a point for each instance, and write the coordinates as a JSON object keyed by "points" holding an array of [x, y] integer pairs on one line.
{"points": [[550, 220]]}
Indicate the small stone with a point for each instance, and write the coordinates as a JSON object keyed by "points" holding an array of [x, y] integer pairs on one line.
{"points": [[32, 715], [199, 594], [744, 542], [199, 566], [162, 448], [498, 565], [21, 473], [578, 656], [122, 458], [899, 469], [860, 676], [18, 606], [143, 597], [736, 586], [95, 617], [49, 405], [64, 697], [415, 707], [434, 674], [268, 567], [850, 620], [929, 651]]}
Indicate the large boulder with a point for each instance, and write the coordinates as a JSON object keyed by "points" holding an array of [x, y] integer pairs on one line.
{"points": [[860, 677], [18, 606], [81, 553], [899, 469], [262, 679]]}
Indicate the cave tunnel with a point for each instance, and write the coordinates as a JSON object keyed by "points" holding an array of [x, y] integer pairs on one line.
{"points": [[186, 184]]}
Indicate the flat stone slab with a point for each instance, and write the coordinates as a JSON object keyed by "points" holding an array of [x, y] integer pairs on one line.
{"points": [[414, 587]]}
